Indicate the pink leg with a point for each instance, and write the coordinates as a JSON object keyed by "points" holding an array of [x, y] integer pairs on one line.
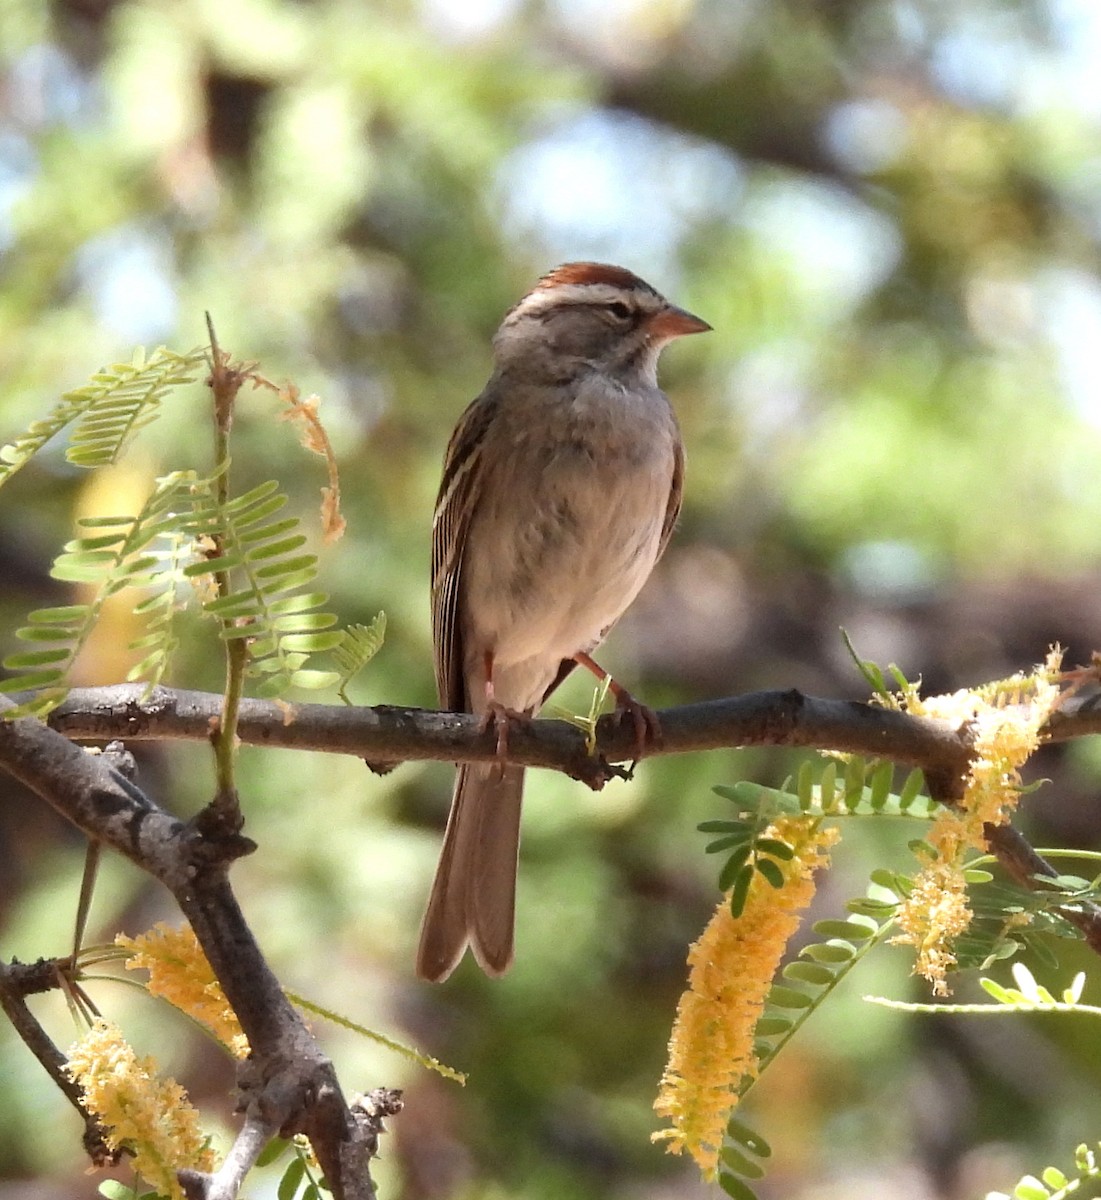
{"points": [[497, 714], [645, 720]]}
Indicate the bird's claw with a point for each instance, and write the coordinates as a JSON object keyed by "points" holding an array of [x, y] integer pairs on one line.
{"points": [[500, 717], [644, 720]]}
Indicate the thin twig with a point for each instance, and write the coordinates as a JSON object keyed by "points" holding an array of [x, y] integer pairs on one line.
{"points": [[225, 381], [1013, 850], [225, 1183], [12, 992], [84, 901]]}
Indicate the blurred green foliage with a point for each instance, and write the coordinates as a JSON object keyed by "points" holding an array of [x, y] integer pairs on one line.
{"points": [[888, 210]]}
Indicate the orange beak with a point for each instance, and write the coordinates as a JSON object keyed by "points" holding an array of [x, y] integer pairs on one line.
{"points": [[673, 322]]}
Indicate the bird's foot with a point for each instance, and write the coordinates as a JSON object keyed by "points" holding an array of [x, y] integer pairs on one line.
{"points": [[647, 727], [500, 717], [644, 720]]}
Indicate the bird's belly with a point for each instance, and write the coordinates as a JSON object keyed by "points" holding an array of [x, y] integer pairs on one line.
{"points": [[546, 583]]}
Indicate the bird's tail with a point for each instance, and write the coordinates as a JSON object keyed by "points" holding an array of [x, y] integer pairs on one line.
{"points": [[473, 898]]}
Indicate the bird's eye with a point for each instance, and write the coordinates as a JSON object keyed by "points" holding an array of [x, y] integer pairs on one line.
{"points": [[620, 311]]}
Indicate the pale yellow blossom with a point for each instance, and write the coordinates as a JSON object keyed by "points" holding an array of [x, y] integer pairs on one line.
{"points": [[179, 972], [731, 969], [934, 914], [1004, 720], [150, 1117]]}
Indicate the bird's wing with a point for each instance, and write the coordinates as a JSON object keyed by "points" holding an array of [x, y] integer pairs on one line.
{"points": [[676, 494], [464, 466]]}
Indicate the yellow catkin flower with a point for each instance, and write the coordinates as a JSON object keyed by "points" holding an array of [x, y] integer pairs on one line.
{"points": [[178, 971], [1004, 720], [934, 914], [731, 969], [151, 1117]]}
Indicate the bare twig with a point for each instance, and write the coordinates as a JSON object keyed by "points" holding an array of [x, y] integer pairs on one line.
{"points": [[389, 734], [225, 1183], [16, 982], [1024, 864]]}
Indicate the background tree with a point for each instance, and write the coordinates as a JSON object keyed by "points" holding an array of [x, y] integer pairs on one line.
{"points": [[886, 210]]}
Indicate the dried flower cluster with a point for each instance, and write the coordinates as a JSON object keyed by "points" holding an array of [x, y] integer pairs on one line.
{"points": [[731, 971], [314, 438]]}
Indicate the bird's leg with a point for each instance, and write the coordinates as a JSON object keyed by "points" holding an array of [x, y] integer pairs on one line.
{"points": [[499, 715], [644, 719]]}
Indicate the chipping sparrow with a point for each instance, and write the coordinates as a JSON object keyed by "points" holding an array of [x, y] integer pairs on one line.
{"points": [[561, 485]]}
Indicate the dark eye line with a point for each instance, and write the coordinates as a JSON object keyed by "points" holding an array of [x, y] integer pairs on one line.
{"points": [[616, 309]]}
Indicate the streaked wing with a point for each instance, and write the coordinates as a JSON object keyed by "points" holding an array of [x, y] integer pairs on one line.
{"points": [[676, 495], [454, 507]]}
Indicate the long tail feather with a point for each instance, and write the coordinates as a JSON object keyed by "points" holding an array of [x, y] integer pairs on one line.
{"points": [[473, 898]]}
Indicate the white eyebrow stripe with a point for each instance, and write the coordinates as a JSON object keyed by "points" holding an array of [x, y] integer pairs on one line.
{"points": [[537, 302]]}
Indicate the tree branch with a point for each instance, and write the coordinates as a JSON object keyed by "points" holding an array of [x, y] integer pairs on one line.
{"points": [[1024, 864], [389, 734], [225, 1183], [287, 1082], [774, 718], [17, 981]]}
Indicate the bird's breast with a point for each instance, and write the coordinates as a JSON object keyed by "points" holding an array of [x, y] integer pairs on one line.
{"points": [[565, 538]]}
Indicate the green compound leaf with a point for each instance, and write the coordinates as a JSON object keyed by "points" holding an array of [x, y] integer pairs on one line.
{"points": [[291, 1179], [771, 872], [169, 551], [807, 982], [260, 563], [808, 972], [739, 1156], [736, 1188], [861, 788], [139, 551], [735, 1161], [107, 411]]}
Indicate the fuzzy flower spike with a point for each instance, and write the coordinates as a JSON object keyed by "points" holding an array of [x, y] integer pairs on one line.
{"points": [[731, 969]]}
